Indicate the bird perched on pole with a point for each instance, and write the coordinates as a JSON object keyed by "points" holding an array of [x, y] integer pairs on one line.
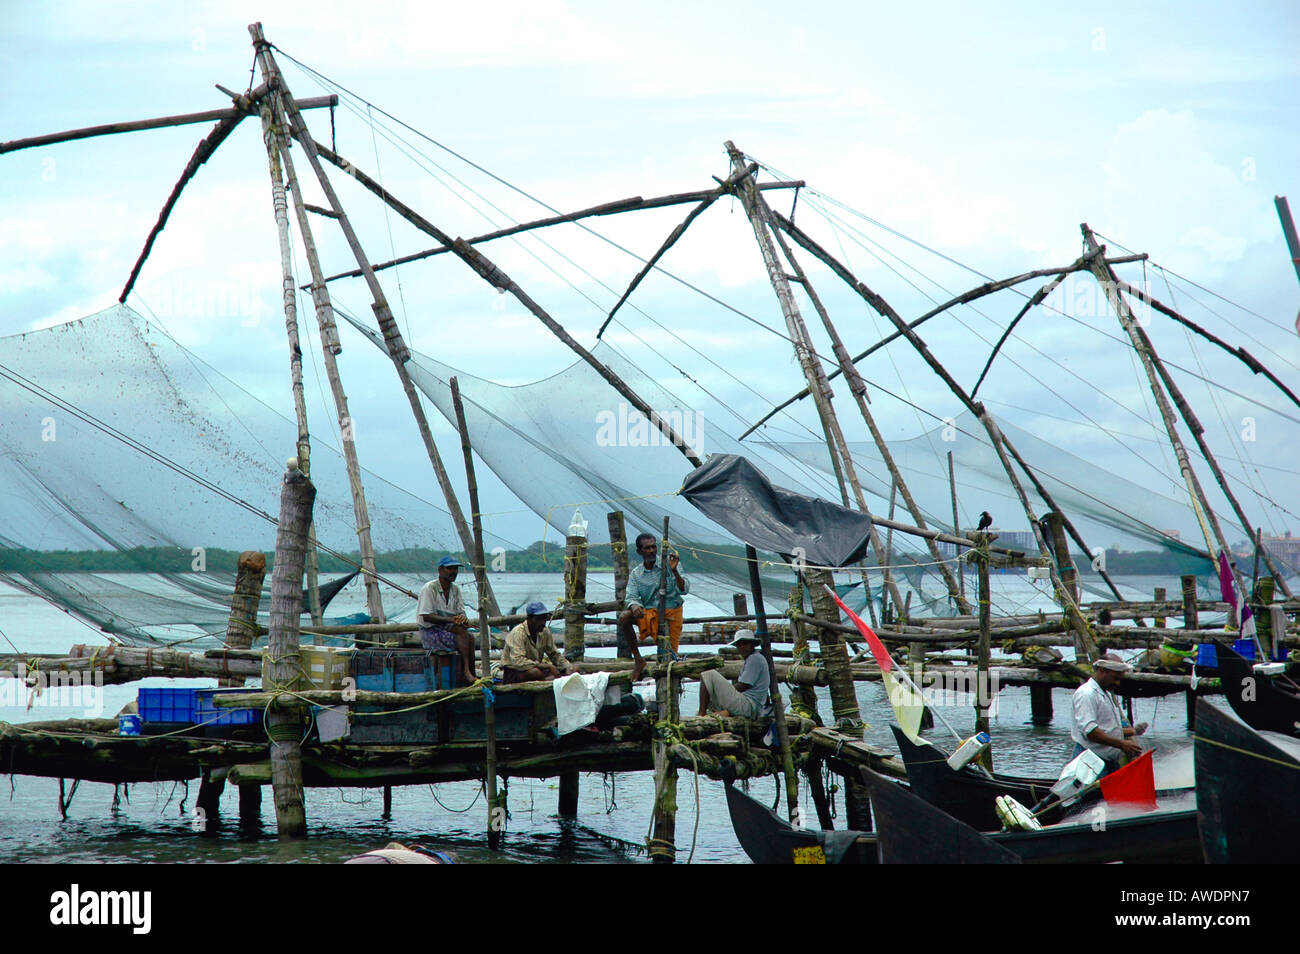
{"points": [[986, 521]]}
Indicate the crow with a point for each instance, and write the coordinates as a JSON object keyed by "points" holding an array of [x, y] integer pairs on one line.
{"points": [[986, 521]]}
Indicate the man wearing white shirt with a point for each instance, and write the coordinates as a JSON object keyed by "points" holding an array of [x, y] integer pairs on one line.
{"points": [[1097, 724]]}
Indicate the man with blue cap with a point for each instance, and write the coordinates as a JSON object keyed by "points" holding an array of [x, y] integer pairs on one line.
{"points": [[444, 627], [530, 651]]}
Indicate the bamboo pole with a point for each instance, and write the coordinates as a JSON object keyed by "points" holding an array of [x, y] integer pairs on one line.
{"points": [[858, 389], [490, 273], [662, 845], [184, 119], [206, 147], [242, 623], [965, 298], [479, 561], [284, 723], [984, 652], [997, 439], [575, 597], [636, 203], [280, 206], [618, 549], [759, 217], [328, 333], [784, 753], [1156, 373], [956, 528], [397, 350]]}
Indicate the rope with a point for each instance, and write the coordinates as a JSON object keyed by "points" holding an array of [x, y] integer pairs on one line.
{"points": [[1240, 751]]}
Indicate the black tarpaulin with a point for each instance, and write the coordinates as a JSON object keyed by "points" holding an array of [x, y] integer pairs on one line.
{"points": [[732, 492]]}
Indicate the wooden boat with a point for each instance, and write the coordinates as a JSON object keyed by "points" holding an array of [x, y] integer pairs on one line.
{"points": [[1246, 783], [967, 795], [768, 839], [1262, 702], [912, 833]]}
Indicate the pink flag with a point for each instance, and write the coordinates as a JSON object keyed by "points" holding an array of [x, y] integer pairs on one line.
{"points": [[877, 648]]}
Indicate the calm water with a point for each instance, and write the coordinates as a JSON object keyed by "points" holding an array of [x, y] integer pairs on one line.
{"points": [[155, 822]]}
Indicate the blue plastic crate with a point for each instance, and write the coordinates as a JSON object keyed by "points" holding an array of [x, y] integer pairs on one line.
{"points": [[168, 705], [209, 715], [1207, 655], [1245, 648]]}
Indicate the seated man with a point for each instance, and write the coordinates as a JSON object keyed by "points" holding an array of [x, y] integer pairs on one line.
{"points": [[643, 602], [1097, 724], [748, 698], [530, 651], [444, 628]]}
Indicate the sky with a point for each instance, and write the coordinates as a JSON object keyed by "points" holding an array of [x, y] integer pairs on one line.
{"points": [[941, 145]]}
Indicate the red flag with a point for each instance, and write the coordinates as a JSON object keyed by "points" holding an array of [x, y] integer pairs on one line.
{"points": [[877, 648], [1133, 785]]}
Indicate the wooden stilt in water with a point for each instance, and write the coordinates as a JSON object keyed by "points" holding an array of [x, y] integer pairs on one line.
{"points": [[569, 794], [250, 806], [283, 723], [208, 804], [1189, 697], [618, 550], [813, 772], [496, 813], [1040, 705], [241, 627], [1159, 598], [388, 803]]}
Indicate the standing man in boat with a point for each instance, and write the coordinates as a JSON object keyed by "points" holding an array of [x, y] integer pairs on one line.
{"points": [[749, 697], [1097, 724], [530, 653], [444, 628], [643, 601]]}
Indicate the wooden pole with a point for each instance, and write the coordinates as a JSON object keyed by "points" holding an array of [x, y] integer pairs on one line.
{"points": [[569, 790], [575, 597], [185, 119], [956, 529], [618, 550], [250, 806], [284, 724], [1159, 598], [778, 704], [241, 627], [496, 821], [858, 388], [490, 273], [999, 442], [1040, 705], [397, 350], [1156, 373], [663, 848], [208, 804], [814, 374], [289, 296], [330, 346], [813, 772], [1190, 619], [983, 652]]}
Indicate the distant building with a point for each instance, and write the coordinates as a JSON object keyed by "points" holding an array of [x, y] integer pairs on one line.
{"points": [[1016, 540], [1285, 548]]}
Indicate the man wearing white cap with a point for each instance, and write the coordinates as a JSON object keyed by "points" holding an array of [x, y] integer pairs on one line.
{"points": [[1097, 725], [748, 698]]}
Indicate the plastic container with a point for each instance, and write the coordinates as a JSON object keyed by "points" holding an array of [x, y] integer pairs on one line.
{"points": [[128, 725], [1207, 655], [1245, 648], [208, 714], [320, 667], [969, 751], [168, 705], [578, 526]]}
